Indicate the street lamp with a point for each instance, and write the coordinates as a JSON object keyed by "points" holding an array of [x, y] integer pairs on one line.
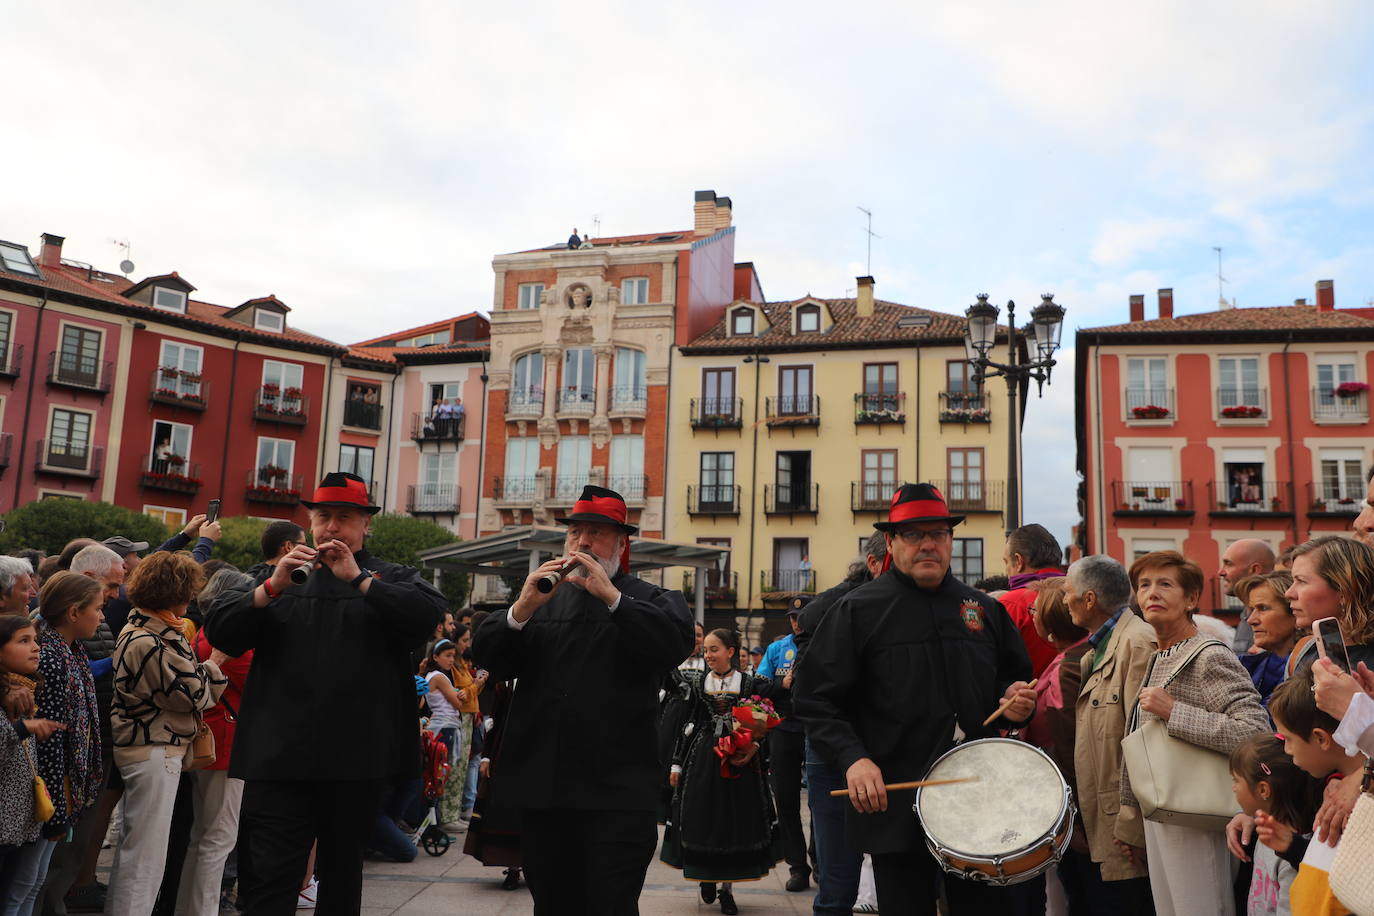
{"points": [[980, 334]]}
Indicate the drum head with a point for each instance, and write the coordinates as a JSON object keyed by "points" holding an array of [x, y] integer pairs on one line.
{"points": [[1017, 800]]}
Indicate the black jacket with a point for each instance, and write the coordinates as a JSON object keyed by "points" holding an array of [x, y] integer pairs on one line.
{"points": [[331, 694], [582, 727], [888, 672]]}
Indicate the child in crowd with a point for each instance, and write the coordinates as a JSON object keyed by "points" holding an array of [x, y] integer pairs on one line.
{"points": [[446, 718], [1269, 784], [1308, 738]]}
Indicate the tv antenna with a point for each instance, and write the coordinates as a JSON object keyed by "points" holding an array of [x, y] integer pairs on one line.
{"points": [[126, 266], [1221, 280], [596, 226], [868, 231]]}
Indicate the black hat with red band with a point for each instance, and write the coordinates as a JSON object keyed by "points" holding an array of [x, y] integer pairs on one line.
{"points": [[342, 490], [917, 502], [597, 504]]}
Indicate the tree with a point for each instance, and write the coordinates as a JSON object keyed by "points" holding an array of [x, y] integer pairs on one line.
{"points": [[50, 524], [240, 541], [399, 538]]}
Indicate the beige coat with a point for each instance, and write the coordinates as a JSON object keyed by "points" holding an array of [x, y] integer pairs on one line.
{"points": [[1104, 704]]}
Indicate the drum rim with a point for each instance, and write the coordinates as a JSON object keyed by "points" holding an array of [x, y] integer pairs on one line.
{"points": [[1066, 813]]}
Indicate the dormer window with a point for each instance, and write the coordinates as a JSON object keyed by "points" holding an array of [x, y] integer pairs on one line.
{"points": [[808, 319], [16, 259], [169, 300], [268, 320], [742, 322]]}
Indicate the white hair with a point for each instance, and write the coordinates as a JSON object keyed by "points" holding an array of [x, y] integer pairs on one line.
{"points": [[96, 558], [11, 568], [1105, 577]]}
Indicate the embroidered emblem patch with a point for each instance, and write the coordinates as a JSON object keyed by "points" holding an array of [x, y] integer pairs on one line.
{"points": [[972, 613]]}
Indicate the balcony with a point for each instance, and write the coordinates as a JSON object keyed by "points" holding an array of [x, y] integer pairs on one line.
{"points": [[629, 401], [1145, 498], [577, 402], [89, 375], [272, 484], [1150, 405], [787, 580], [362, 415], [1332, 406], [70, 459], [793, 411], [6, 445], [520, 492], [273, 405], [1254, 499], [525, 403], [969, 496], [1243, 406], [872, 495], [633, 488], [424, 428], [176, 388], [1326, 500], [717, 413], [713, 499], [433, 499], [10, 366], [965, 407], [794, 499], [876, 409], [719, 586], [568, 488], [170, 473]]}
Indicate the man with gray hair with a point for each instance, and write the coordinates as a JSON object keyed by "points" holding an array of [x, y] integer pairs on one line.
{"points": [[1111, 876], [17, 587]]}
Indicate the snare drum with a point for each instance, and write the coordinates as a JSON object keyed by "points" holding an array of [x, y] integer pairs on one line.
{"points": [[1010, 825]]}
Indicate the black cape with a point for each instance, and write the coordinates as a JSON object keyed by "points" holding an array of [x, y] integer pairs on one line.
{"points": [[890, 670], [582, 728], [330, 694]]}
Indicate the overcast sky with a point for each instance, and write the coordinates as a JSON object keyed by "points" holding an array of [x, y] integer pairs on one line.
{"points": [[365, 161]]}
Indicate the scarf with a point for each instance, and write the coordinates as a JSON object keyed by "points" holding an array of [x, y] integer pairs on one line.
{"points": [[1021, 580]]}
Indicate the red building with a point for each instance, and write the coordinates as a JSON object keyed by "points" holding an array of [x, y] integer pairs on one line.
{"points": [[1195, 431]]}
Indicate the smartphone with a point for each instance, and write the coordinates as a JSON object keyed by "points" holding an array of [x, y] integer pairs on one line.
{"points": [[1330, 642], [212, 512]]}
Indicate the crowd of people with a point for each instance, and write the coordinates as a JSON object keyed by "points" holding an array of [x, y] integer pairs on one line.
{"points": [[195, 718]]}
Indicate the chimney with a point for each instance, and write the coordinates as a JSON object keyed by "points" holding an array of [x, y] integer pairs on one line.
{"points": [[50, 255], [863, 303], [1166, 303], [724, 211], [1137, 308], [1326, 296], [1299, 301], [704, 213]]}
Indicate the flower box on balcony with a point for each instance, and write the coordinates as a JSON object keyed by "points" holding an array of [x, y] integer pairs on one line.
{"points": [[1242, 412], [175, 461], [1350, 389], [265, 494], [1150, 412], [880, 416], [192, 377], [966, 414], [167, 393], [179, 483], [170, 372], [293, 394]]}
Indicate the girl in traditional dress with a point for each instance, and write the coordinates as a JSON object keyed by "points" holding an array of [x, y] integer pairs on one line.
{"points": [[722, 825]]}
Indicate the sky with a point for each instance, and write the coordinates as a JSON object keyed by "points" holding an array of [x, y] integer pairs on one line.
{"points": [[364, 162]]}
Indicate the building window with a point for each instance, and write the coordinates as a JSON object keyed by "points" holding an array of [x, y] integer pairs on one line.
{"points": [[432, 339], [357, 459], [437, 476], [808, 319], [880, 387], [718, 576], [1239, 381], [579, 378], [792, 482], [268, 320], [959, 377], [630, 390], [966, 491], [170, 452], [794, 390], [1141, 546], [634, 291], [742, 322], [792, 570], [1244, 483], [879, 469], [529, 295], [363, 408], [179, 369], [574, 466], [1147, 383], [717, 394], [172, 518], [79, 356], [627, 466], [1342, 478], [522, 469], [16, 259], [6, 333], [69, 438], [169, 300], [527, 385], [1150, 478], [286, 376], [966, 560], [716, 481], [276, 459]]}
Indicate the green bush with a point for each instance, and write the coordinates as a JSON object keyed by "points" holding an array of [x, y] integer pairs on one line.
{"points": [[50, 524], [240, 541], [398, 538]]}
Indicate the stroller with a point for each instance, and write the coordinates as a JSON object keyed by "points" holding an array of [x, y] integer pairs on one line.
{"points": [[434, 757]]}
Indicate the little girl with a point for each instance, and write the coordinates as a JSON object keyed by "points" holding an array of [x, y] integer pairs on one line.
{"points": [[1308, 738], [446, 717], [1268, 783]]}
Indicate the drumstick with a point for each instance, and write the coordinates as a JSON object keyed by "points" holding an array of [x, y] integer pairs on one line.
{"points": [[896, 786], [1005, 703]]}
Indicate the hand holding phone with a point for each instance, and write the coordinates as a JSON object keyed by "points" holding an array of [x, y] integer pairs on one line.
{"points": [[1331, 642], [212, 512]]}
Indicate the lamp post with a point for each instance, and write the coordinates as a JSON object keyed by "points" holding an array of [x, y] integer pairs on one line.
{"points": [[980, 335]]}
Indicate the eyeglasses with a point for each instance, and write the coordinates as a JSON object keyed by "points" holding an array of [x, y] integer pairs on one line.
{"points": [[916, 535]]}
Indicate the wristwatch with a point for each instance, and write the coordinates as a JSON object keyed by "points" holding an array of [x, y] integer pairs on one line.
{"points": [[359, 578]]}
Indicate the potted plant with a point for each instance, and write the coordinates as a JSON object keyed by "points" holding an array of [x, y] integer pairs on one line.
{"points": [[169, 372], [1275, 504], [1241, 412], [1150, 412], [271, 390], [1350, 389], [292, 394], [1180, 504], [175, 461]]}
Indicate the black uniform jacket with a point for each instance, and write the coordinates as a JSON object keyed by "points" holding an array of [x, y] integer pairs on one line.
{"points": [[331, 693], [582, 731], [888, 672]]}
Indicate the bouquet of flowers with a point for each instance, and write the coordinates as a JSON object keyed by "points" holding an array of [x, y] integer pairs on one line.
{"points": [[752, 720]]}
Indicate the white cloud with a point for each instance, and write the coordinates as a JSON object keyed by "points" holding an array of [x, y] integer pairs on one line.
{"points": [[1121, 241]]}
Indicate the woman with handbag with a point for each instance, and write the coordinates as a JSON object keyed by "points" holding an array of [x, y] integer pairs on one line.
{"points": [[161, 690], [1195, 694]]}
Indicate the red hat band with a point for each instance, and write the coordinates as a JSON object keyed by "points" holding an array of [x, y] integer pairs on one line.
{"points": [[352, 492], [601, 505]]}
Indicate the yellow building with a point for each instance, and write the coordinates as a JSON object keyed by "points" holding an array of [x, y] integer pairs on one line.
{"points": [[792, 423]]}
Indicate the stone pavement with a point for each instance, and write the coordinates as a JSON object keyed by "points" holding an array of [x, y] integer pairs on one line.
{"points": [[455, 883]]}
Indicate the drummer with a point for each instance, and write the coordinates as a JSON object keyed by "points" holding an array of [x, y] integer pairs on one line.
{"points": [[900, 669]]}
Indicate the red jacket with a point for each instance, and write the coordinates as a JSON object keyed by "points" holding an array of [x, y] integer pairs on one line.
{"points": [[222, 723], [1018, 603]]}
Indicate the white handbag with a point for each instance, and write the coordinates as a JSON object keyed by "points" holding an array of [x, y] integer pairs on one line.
{"points": [[1352, 877], [1175, 781]]}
